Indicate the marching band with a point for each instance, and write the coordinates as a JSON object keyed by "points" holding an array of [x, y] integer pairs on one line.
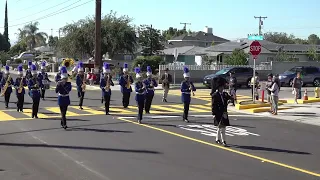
{"points": [[43, 77], [63, 89], [150, 83], [34, 86], [81, 83], [105, 83], [37, 83], [125, 82], [19, 85]]}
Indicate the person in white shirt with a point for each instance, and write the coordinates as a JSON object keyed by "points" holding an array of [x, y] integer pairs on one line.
{"points": [[275, 88]]}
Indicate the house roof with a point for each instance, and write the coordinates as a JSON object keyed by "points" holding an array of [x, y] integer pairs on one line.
{"points": [[200, 36], [185, 50], [271, 46]]}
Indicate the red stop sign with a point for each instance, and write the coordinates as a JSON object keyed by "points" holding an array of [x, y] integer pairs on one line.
{"points": [[255, 48]]}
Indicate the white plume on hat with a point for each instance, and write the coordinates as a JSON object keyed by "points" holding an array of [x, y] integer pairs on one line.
{"points": [[125, 67], [137, 71], [186, 72]]}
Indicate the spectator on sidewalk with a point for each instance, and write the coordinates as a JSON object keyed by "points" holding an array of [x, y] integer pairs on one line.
{"points": [[269, 85], [296, 87], [275, 95], [166, 81], [255, 82]]}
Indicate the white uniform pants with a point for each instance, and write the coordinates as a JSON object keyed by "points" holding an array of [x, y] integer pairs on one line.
{"points": [[221, 132], [165, 92]]}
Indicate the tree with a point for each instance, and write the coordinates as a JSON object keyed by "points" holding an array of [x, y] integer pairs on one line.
{"points": [[4, 56], [150, 40], [31, 36], [282, 56], [208, 60], [53, 41], [6, 29], [313, 55], [313, 39], [281, 38], [238, 57], [144, 61], [300, 41], [173, 32], [2, 43], [18, 48], [117, 37]]}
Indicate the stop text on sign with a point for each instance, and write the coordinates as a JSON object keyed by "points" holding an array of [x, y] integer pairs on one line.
{"points": [[255, 48]]}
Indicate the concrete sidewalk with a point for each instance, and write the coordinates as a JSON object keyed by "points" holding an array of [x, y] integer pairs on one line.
{"points": [[304, 113]]}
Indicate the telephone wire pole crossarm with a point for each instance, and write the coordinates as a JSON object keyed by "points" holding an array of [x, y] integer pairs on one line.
{"points": [[260, 23]]}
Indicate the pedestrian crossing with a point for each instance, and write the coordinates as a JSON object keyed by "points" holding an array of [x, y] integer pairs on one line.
{"points": [[204, 95], [73, 111]]}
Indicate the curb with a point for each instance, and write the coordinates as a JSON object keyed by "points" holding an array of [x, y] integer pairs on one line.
{"points": [[300, 101], [266, 109], [253, 106]]}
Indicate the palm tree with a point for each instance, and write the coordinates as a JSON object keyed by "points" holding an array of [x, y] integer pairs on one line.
{"points": [[31, 36]]}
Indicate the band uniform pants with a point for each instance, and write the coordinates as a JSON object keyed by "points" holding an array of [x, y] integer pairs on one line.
{"points": [[81, 96], [140, 109], [107, 102], [7, 98], [221, 132], [149, 98], [126, 99], [20, 102], [35, 106], [165, 91], [43, 92], [186, 106], [63, 111]]}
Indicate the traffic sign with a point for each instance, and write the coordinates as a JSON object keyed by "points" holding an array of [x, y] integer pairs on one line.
{"points": [[255, 48], [258, 38]]}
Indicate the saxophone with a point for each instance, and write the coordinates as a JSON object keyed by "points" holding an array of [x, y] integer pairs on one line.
{"points": [[128, 85], [191, 89], [107, 87], [83, 86], [6, 86], [20, 88]]}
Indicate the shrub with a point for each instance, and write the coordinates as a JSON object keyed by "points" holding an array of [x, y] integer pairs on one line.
{"points": [[144, 61]]}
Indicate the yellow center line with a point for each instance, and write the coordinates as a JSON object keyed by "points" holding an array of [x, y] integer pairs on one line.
{"points": [[225, 148]]}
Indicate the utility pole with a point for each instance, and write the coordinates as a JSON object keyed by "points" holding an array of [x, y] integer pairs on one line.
{"points": [[151, 38], [59, 33], [185, 25], [51, 32], [260, 23], [97, 52]]}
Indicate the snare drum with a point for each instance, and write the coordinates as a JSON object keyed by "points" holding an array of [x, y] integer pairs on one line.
{"points": [[46, 84]]}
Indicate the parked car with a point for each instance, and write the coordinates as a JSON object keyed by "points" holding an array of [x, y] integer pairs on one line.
{"points": [[243, 75], [309, 74]]}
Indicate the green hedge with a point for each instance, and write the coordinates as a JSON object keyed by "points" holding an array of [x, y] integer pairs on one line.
{"points": [[144, 61]]}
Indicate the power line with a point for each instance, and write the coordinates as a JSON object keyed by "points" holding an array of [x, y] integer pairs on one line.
{"points": [[52, 14], [39, 11], [33, 6]]}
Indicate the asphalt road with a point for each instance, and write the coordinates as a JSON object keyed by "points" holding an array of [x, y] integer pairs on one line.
{"points": [[97, 146]]}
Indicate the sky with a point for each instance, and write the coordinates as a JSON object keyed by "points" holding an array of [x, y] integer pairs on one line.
{"points": [[230, 19]]}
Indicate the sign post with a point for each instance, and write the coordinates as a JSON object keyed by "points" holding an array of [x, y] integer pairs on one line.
{"points": [[175, 54], [255, 50]]}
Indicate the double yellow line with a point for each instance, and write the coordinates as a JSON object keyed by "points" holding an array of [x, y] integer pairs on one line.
{"points": [[225, 148]]}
